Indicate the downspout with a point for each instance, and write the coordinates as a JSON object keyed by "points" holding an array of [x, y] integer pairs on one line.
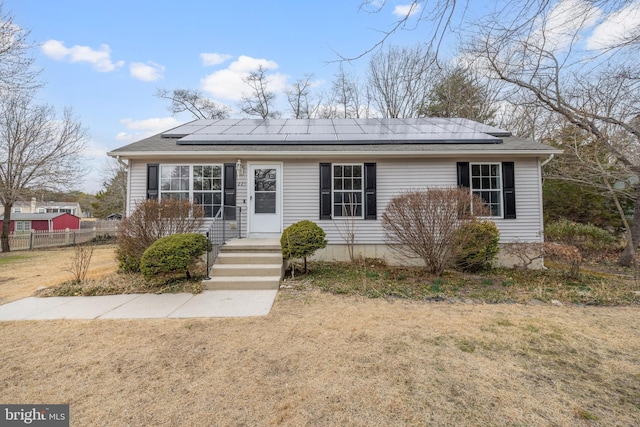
{"points": [[547, 161], [126, 165], [126, 202]]}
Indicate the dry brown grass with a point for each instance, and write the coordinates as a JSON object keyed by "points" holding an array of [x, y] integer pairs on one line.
{"points": [[324, 360], [23, 272], [327, 360]]}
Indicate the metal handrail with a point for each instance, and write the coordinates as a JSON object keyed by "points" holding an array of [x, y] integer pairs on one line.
{"points": [[221, 230]]}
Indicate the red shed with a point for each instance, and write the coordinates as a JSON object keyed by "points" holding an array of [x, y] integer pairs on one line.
{"points": [[21, 222]]}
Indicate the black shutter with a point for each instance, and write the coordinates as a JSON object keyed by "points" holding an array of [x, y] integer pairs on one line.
{"points": [[229, 197], [509, 190], [370, 191], [325, 190], [463, 174], [153, 170]]}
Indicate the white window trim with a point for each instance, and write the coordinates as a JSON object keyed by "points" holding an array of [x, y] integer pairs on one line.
{"points": [[498, 190], [191, 191], [333, 191], [17, 210], [23, 229]]}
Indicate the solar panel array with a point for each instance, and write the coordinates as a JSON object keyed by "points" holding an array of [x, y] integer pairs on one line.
{"points": [[335, 131]]}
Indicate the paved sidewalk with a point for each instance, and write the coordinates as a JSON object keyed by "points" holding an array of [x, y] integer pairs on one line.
{"points": [[143, 306]]}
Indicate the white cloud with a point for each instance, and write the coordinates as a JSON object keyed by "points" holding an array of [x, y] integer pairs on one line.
{"points": [[404, 10], [566, 20], [99, 59], [228, 83], [145, 128], [616, 27], [149, 72], [209, 59]]}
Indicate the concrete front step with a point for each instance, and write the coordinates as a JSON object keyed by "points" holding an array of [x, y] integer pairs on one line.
{"points": [[241, 283], [252, 245], [234, 270], [244, 264], [249, 258]]}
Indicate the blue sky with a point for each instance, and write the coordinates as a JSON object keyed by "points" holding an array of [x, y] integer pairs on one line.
{"points": [[105, 59]]}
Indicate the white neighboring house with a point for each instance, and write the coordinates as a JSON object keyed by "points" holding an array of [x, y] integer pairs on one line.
{"points": [[285, 170], [35, 206]]}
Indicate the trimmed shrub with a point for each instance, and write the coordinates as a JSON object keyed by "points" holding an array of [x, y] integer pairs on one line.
{"points": [[480, 245], [150, 221], [302, 239], [589, 239], [174, 254]]}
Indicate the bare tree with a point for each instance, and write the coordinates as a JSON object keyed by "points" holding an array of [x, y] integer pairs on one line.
{"points": [[348, 97], [193, 102], [37, 150], [16, 72], [259, 102], [440, 19], [401, 79], [599, 95], [300, 98]]}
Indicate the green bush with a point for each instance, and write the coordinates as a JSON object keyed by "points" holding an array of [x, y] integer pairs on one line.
{"points": [[480, 246], [302, 239], [151, 220], [588, 238], [173, 254]]}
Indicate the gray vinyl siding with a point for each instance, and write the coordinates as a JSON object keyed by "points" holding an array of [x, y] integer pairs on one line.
{"points": [[527, 227], [301, 195], [138, 184]]}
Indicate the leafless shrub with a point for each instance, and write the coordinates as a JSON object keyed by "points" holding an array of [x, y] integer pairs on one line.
{"points": [[150, 221], [526, 252], [79, 264], [346, 226], [565, 254], [426, 224]]}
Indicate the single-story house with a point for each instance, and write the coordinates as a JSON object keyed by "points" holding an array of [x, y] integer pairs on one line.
{"points": [[285, 170], [25, 222]]}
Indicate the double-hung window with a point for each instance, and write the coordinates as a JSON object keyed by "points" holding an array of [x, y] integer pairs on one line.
{"points": [[207, 188], [202, 184], [347, 190], [486, 184]]}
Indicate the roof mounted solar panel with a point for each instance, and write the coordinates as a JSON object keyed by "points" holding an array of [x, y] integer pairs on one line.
{"points": [[343, 131]]}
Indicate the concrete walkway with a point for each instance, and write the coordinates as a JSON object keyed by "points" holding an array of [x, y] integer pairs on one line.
{"points": [[220, 303]]}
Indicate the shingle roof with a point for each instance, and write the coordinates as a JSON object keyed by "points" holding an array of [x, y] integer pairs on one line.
{"points": [[428, 135], [34, 216]]}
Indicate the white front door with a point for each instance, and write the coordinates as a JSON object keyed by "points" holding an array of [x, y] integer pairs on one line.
{"points": [[265, 198]]}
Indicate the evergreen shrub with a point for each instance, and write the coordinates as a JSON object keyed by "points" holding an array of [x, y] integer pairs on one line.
{"points": [[175, 254]]}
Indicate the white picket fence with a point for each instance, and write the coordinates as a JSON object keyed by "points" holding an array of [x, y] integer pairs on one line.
{"points": [[49, 239]]}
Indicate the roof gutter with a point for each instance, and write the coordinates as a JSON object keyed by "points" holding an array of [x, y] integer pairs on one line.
{"points": [[303, 154]]}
